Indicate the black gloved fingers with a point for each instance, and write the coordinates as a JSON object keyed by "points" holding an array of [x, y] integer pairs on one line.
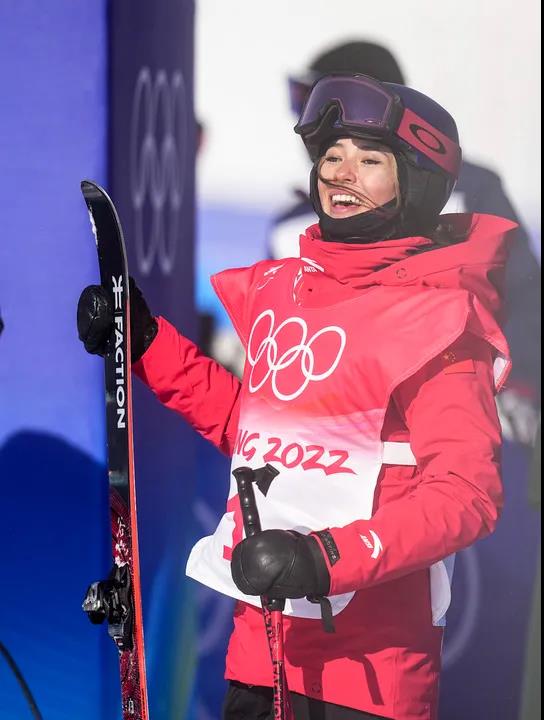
{"points": [[280, 564], [94, 319]]}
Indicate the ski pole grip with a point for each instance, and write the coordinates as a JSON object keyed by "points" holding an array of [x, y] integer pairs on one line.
{"points": [[245, 477]]}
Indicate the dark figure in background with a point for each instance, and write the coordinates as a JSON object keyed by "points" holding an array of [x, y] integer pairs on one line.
{"points": [[478, 189]]}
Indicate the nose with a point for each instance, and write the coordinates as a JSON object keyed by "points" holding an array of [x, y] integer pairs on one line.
{"points": [[346, 172]]}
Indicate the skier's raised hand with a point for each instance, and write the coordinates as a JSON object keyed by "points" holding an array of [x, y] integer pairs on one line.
{"points": [[95, 320], [280, 564]]}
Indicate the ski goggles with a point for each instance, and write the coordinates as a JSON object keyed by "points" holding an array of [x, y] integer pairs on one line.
{"points": [[299, 89], [369, 108]]}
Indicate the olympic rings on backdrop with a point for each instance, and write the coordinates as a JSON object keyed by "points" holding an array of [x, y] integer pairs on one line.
{"points": [[158, 149]]}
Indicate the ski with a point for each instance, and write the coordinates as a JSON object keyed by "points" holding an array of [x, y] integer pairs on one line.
{"points": [[118, 599]]}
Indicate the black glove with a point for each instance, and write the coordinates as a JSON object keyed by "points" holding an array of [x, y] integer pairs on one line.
{"points": [[95, 320], [280, 564]]}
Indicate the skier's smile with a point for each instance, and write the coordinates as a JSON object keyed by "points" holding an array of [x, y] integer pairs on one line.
{"points": [[355, 176]]}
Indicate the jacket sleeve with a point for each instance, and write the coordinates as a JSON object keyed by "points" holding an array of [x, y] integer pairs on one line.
{"points": [[195, 386], [450, 411]]}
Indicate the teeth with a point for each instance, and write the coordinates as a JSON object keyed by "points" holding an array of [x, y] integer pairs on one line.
{"points": [[346, 199]]}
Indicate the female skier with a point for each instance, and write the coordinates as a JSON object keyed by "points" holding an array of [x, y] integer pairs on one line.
{"points": [[372, 364]]}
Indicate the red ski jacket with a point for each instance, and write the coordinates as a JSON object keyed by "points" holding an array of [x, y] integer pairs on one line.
{"points": [[384, 657]]}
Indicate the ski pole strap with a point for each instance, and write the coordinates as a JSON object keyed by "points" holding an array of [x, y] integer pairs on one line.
{"points": [[326, 611]]}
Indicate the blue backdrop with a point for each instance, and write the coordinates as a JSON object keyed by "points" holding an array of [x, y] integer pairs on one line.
{"points": [[102, 91], [53, 523]]}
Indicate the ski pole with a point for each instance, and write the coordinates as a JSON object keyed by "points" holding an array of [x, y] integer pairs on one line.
{"points": [[272, 608]]}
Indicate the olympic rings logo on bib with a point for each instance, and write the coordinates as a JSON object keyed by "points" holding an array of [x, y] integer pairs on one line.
{"points": [[288, 357]]}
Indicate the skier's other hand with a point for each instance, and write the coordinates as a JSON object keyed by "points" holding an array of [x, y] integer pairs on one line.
{"points": [[280, 564], [95, 320]]}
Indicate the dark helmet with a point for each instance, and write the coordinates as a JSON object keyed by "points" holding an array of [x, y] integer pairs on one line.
{"points": [[421, 133]]}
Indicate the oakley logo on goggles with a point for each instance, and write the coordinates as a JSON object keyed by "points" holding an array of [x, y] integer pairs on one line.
{"points": [[369, 107]]}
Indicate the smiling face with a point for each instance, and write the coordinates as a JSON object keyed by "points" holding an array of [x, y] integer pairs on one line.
{"points": [[355, 176]]}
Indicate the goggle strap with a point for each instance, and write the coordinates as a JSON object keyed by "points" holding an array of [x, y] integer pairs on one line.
{"points": [[418, 133]]}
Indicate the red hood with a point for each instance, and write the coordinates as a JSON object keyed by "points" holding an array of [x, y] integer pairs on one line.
{"points": [[476, 265]]}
